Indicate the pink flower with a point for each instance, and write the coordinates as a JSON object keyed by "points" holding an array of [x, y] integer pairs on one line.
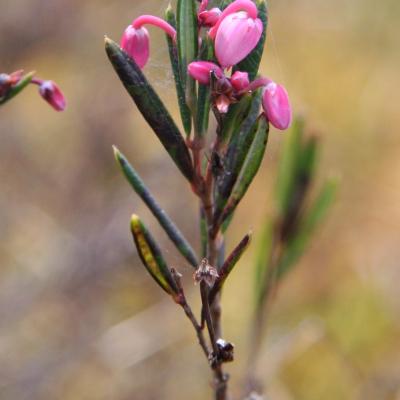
{"points": [[201, 70], [209, 17], [240, 80], [135, 40], [237, 35], [276, 105], [52, 94]]}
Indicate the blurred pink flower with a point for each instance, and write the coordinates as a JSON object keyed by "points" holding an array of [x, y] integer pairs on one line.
{"points": [[200, 70], [52, 94], [275, 101]]}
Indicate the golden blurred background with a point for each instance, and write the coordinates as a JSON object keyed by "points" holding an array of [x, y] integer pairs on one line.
{"points": [[81, 319]]}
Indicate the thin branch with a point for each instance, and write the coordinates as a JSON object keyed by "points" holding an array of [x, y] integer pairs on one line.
{"points": [[181, 300]]}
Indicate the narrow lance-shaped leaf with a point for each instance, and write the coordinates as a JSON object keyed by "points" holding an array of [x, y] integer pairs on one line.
{"points": [[179, 80], [170, 228], [14, 90], [250, 167], [204, 93], [263, 256], [288, 165], [187, 39], [151, 107], [228, 266], [238, 148], [234, 117], [252, 62], [151, 256], [309, 222]]}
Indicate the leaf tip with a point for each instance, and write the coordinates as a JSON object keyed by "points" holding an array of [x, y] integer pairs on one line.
{"points": [[135, 223]]}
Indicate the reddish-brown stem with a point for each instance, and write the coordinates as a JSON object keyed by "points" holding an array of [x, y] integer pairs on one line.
{"points": [[203, 187]]}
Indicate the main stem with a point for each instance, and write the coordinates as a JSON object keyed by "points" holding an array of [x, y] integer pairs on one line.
{"points": [[212, 312]]}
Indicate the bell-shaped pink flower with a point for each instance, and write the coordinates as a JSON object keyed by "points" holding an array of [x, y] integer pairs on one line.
{"points": [[240, 80], [209, 17], [275, 101], [237, 35], [201, 70], [135, 42], [52, 94]]}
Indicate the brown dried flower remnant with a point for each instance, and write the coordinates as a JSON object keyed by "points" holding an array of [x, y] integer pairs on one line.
{"points": [[205, 272]]}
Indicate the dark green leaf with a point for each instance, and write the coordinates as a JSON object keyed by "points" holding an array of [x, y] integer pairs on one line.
{"points": [[263, 256], [309, 222], [234, 117], [151, 107], [204, 93], [236, 154], [179, 80], [228, 266], [170, 228], [250, 166], [151, 256], [188, 42], [288, 167]]}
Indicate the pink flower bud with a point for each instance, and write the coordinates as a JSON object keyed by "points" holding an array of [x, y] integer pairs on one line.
{"points": [[240, 80], [237, 35], [135, 42], [201, 70], [52, 94], [276, 105], [210, 17]]}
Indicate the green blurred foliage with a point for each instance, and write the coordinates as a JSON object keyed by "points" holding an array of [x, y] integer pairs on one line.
{"points": [[79, 316]]}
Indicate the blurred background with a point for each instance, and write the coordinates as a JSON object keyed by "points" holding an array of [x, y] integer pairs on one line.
{"points": [[79, 316]]}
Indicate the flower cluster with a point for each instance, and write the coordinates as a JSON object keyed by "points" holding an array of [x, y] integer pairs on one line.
{"points": [[235, 33], [12, 83]]}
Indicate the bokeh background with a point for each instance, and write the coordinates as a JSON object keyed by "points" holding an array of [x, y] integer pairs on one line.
{"points": [[79, 316]]}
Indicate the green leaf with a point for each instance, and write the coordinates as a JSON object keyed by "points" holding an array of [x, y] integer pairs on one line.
{"points": [[250, 166], [309, 222], [228, 266], [263, 256], [235, 117], [170, 228], [288, 167], [151, 107], [179, 80], [187, 39], [14, 90], [252, 62], [204, 93], [237, 151], [150, 254]]}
